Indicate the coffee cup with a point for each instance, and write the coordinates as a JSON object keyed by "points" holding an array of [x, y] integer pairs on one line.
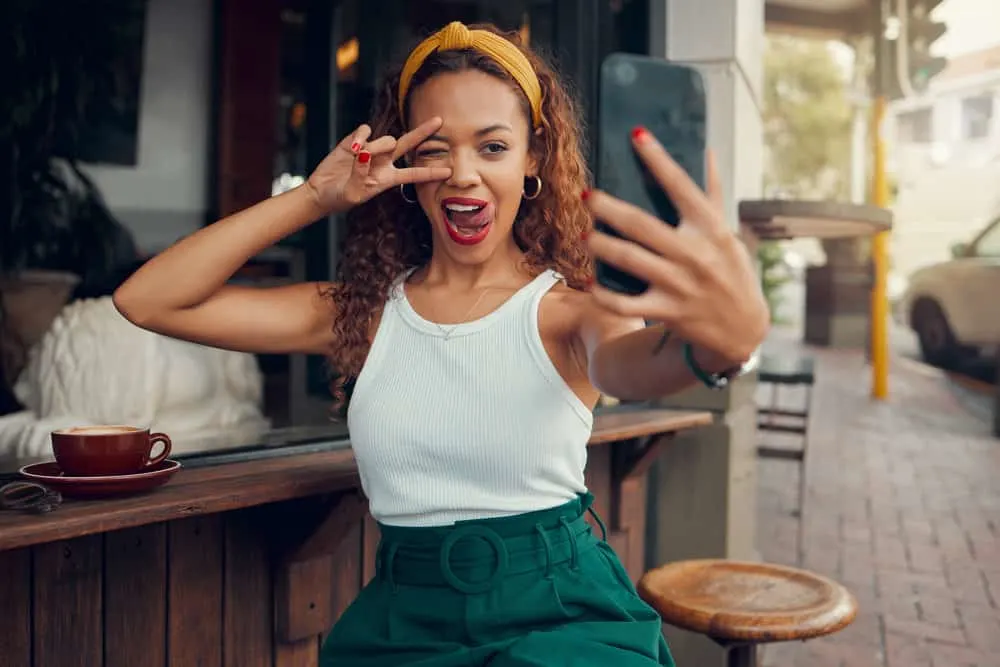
{"points": [[92, 451]]}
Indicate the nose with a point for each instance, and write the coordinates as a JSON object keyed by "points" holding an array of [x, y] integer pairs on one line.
{"points": [[464, 170]]}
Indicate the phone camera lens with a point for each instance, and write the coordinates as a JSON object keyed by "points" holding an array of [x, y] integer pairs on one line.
{"points": [[625, 74]]}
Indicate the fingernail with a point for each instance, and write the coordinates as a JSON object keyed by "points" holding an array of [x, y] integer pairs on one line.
{"points": [[585, 195], [355, 147], [588, 283], [364, 156], [584, 235], [639, 133]]}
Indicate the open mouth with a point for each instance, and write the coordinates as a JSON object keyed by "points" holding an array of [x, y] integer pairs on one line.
{"points": [[468, 220]]}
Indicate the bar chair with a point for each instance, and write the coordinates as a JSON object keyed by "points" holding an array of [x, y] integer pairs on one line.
{"points": [[785, 370], [741, 605]]}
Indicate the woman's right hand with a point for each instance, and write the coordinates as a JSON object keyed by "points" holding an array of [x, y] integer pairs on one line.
{"points": [[357, 169]]}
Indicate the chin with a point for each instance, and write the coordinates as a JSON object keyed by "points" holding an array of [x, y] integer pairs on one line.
{"points": [[470, 253], [476, 257]]}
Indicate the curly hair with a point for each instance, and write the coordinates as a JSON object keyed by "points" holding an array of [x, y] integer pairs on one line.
{"points": [[386, 235]]}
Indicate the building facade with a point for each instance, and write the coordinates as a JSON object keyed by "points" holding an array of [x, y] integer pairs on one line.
{"points": [[945, 148]]}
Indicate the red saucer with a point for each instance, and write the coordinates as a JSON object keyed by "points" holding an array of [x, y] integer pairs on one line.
{"points": [[51, 475]]}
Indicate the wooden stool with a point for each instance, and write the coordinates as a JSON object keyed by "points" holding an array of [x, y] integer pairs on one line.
{"points": [[785, 370], [741, 604]]}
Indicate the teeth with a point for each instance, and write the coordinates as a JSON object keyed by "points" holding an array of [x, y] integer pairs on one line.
{"points": [[462, 208]]}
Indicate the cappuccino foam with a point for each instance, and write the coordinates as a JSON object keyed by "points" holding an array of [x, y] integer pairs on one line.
{"points": [[98, 430]]}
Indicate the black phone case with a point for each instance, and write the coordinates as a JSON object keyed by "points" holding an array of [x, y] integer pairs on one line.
{"points": [[669, 101]]}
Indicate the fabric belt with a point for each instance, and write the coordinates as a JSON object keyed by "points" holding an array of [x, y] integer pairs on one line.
{"points": [[474, 556]]}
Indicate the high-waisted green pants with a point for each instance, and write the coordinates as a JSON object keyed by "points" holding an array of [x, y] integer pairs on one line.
{"points": [[533, 589]]}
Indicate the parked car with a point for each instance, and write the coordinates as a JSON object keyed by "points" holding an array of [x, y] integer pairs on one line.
{"points": [[954, 306]]}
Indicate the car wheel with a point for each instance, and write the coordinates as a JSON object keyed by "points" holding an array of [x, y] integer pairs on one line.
{"points": [[938, 346]]}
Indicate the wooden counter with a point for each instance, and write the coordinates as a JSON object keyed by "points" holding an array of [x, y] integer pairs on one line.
{"points": [[243, 564]]}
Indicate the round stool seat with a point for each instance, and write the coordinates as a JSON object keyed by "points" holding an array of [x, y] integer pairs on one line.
{"points": [[743, 602]]}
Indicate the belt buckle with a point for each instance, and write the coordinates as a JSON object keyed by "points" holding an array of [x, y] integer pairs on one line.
{"points": [[493, 539]]}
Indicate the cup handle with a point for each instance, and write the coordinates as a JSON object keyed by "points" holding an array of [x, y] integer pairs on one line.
{"points": [[164, 440]]}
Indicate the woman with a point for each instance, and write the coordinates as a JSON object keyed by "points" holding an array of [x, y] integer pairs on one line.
{"points": [[466, 315]]}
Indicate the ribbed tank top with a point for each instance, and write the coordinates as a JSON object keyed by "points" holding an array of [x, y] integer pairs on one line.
{"points": [[465, 421]]}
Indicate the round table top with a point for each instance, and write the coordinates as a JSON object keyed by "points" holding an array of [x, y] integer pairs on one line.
{"points": [[737, 601], [777, 219]]}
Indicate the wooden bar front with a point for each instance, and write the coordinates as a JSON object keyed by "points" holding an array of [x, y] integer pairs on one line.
{"points": [[242, 564]]}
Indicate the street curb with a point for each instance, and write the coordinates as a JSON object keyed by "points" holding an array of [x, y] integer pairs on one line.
{"points": [[919, 367], [972, 384], [967, 392]]}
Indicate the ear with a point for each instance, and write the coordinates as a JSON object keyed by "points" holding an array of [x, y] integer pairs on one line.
{"points": [[531, 168]]}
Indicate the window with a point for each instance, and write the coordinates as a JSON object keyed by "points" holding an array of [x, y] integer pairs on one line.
{"points": [[915, 127], [977, 114], [988, 244]]}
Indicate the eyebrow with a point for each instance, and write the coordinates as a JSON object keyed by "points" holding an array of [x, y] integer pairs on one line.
{"points": [[479, 133]]}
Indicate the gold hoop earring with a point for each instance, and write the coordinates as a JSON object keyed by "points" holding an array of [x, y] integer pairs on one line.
{"points": [[532, 193], [402, 193]]}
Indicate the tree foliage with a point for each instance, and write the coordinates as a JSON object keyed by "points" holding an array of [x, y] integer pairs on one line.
{"points": [[807, 136], [807, 120]]}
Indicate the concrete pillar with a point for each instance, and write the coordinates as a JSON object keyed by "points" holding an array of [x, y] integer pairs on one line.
{"points": [[703, 490], [724, 40], [996, 397], [703, 496]]}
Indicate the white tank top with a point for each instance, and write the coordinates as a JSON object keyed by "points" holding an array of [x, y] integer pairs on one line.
{"points": [[466, 421]]}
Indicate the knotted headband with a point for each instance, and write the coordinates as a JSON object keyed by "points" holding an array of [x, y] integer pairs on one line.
{"points": [[456, 36]]}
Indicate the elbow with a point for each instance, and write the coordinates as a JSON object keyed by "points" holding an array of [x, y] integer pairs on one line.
{"points": [[627, 378], [129, 307], [611, 379]]}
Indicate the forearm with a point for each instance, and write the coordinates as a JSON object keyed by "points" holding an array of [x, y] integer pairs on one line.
{"points": [[631, 367], [197, 266]]}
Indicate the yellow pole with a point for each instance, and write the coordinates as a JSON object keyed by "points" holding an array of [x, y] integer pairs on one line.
{"points": [[880, 260]]}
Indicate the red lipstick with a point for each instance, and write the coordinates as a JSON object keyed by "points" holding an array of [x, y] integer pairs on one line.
{"points": [[464, 201], [467, 220]]}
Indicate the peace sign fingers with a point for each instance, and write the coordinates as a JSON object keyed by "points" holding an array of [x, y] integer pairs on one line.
{"points": [[360, 168], [410, 141], [416, 136]]}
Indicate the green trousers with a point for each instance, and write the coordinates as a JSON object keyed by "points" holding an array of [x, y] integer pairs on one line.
{"points": [[533, 589]]}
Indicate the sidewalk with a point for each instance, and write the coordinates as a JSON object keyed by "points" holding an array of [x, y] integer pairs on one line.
{"points": [[903, 507]]}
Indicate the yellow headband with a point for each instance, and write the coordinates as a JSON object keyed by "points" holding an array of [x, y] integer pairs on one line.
{"points": [[456, 36]]}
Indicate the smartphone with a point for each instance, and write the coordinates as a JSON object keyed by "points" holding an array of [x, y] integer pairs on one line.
{"points": [[669, 101]]}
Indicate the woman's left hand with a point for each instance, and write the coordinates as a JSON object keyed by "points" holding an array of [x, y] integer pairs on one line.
{"points": [[702, 282]]}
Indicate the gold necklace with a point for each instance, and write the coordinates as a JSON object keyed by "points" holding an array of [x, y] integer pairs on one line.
{"points": [[463, 320]]}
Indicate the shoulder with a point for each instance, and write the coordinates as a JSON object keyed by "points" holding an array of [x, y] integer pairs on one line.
{"points": [[568, 313], [576, 314], [564, 304]]}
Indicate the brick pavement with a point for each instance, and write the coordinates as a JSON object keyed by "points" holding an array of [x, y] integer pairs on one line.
{"points": [[902, 506]]}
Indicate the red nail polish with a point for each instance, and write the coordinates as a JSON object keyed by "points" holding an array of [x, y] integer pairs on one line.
{"points": [[585, 195], [355, 147], [639, 133], [364, 156], [584, 235]]}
